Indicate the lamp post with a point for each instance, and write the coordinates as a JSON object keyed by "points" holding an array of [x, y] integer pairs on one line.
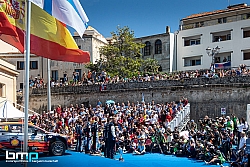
{"points": [[212, 53]]}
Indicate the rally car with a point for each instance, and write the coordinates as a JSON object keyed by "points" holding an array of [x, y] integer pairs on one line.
{"points": [[39, 140]]}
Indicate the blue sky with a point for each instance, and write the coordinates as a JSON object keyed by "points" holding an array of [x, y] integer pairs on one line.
{"points": [[146, 17]]}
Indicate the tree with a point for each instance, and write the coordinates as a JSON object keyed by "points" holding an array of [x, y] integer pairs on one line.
{"points": [[122, 56], [150, 65]]}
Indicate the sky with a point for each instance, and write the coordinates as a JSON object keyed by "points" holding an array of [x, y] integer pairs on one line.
{"points": [[146, 17]]}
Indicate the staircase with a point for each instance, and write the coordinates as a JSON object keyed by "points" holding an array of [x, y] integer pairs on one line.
{"points": [[181, 119]]}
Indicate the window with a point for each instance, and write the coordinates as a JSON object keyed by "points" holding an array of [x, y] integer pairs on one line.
{"points": [[192, 42], [21, 85], [221, 36], [228, 37], [1, 90], [246, 33], [79, 46], [16, 128], [217, 59], [195, 62], [32, 129], [158, 47], [246, 56], [55, 75], [20, 65], [197, 24], [219, 21], [195, 42], [34, 65], [222, 20], [147, 48], [79, 74], [192, 61]]}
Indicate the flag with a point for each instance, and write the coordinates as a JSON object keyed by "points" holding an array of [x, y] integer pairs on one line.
{"points": [[70, 12], [224, 65], [49, 37]]}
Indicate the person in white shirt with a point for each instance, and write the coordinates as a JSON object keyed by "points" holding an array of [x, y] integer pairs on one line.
{"points": [[141, 149], [242, 143], [242, 126]]}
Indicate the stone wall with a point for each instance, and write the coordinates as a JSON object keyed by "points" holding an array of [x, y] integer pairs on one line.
{"points": [[206, 96]]}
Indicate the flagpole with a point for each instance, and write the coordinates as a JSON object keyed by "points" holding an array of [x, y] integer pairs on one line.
{"points": [[48, 87], [27, 67]]}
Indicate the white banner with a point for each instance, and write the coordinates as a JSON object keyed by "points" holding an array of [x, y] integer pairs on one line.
{"points": [[248, 114]]}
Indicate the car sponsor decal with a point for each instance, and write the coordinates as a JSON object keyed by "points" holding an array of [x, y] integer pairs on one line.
{"points": [[14, 142], [4, 128]]}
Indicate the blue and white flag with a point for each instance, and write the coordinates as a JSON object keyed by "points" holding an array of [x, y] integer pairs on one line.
{"points": [[69, 12]]}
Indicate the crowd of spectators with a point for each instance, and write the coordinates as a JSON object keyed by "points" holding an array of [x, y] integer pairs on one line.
{"points": [[132, 119], [92, 77], [143, 127]]}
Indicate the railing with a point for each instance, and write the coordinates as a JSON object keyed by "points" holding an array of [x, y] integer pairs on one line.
{"points": [[185, 82], [30, 111], [214, 22], [180, 119]]}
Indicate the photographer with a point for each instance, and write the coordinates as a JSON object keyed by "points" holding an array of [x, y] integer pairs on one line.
{"points": [[226, 144], [141, 149], [217, 158]]}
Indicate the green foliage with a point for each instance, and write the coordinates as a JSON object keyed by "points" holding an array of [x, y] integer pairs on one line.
{"points": [[97, 66], [150, 66], [122, 56]]}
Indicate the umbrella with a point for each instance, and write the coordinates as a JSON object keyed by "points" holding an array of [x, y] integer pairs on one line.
{"points": [[110, 102]]}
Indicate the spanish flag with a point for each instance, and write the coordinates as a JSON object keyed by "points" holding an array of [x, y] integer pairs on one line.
{"points": [[49, 37]]}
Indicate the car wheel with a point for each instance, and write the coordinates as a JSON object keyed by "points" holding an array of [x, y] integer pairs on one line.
{"points": [[57, 148]]}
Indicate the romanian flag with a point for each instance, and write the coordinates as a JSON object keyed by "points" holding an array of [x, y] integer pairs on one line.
{"points": [[49, 37]]}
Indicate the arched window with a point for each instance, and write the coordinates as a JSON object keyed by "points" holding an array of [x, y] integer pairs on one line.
{"points": [[158, 47], [147, 48]]}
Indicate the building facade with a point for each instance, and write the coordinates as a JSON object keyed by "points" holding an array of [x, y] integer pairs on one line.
{"points": [[8, 74], [159, 47], [91, 41], [229, 29]]}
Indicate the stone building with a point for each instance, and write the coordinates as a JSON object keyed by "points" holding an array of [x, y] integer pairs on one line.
{"points": [[159, 47], [229, 29], [91, 41], [8, 74]]}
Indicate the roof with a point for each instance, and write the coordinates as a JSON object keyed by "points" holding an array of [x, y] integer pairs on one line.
{"points": [[229, 9], [90, 28]]}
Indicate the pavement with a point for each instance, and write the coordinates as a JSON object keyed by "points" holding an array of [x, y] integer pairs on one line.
{"points": [[76, 159]]}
